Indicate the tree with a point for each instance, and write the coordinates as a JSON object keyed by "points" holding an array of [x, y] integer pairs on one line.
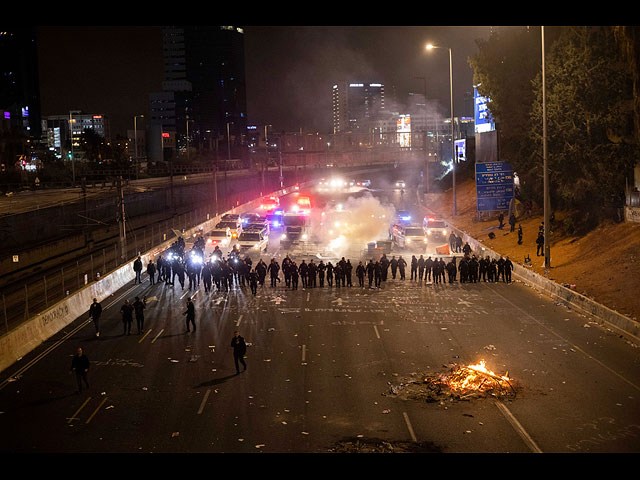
{"points": [[589, 101]]}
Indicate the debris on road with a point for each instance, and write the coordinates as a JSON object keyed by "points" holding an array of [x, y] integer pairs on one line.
{"points": [[377, 445]]}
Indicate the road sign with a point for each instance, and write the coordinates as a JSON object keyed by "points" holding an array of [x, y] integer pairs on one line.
{"points": [[494, 186]]}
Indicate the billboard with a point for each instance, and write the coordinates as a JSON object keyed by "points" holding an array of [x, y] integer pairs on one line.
{"points": [[403, 129], [461, 149], [483, 120], [494, 186]]}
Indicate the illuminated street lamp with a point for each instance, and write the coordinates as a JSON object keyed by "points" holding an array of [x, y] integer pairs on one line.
{"points": [[453, 156]]}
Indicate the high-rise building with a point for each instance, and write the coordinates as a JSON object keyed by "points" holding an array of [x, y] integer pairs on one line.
{"points": [[356, 105], [58, 133], [203, 88], [19, 80]]}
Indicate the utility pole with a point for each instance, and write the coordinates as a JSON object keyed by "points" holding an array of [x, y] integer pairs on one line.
{"points": [[121, 221]]}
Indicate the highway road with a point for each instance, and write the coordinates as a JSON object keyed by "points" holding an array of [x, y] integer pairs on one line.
{"points": [[328, 371]]}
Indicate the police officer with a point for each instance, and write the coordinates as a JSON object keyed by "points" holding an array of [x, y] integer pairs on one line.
{"points": [[420, 268], [394, 266], [347, 272], [414, 267], [330, 274], [206, 276], [304, 273], [273, 269], [371, 271], [508, 266], [451, 269], [401, 266], [253, 281], [377, 274], [312, 270], [294, 273], [338, 273], [261, 270], [384, 263], [428, 266], [360, 271], [321, 269]]}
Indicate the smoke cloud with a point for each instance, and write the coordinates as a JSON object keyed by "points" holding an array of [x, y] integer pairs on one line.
{"points": [[352, 224]]}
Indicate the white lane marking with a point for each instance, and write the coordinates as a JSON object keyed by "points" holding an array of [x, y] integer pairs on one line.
{"points": [[204, 401], [308, 295], [406, 419], [377, 333], [304, 352], [568, 342], [156, 337], [239, 320], [519, 428]]}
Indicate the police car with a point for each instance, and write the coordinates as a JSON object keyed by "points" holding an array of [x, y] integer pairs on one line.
{"points": [[436, 229], [254, 237], [220, 235], [408, 236]]}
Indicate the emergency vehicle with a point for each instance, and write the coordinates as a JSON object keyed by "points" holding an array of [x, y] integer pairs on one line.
{"points": [[235, 226], [270, 203], [254, 237], [436, 229], [409, 236], [296, 227], [220, 236]]}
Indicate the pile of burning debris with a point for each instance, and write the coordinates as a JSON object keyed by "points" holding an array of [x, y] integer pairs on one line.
{"points": [[459, 383]]}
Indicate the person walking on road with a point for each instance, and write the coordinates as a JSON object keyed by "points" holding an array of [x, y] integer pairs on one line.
{"points": [[80, 365], [190, 313], [239, 350], [95, 311], [127, 317]]}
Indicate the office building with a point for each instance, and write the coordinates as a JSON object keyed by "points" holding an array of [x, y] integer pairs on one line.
{"points": [[356, 106]]}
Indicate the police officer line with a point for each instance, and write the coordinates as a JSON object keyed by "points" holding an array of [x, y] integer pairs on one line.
{"points": [[32, 333]]}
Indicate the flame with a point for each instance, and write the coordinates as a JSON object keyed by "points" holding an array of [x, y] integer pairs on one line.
{"points": [[474, 378]]}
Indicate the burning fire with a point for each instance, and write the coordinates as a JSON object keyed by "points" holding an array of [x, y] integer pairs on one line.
{"points": [[472, 379]]}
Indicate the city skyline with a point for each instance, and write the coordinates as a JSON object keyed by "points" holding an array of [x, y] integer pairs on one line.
{"points": [[289, 69]]}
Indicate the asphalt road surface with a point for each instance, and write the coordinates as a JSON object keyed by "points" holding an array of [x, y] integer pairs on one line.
{"points": [[321, 367]]}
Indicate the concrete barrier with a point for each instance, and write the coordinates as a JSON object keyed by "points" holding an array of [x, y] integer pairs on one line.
{"points": [[603, 314]]}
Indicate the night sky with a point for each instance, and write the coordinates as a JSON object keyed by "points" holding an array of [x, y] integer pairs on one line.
{"points": [[289, 69]]}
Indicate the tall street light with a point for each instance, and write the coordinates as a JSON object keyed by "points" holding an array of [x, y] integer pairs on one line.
{"points": [[426, 155], [545, 171], [453, 155]]}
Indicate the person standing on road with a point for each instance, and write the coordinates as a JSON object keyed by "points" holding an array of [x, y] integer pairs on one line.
{"points": [[137, 267], [127, 317], [420, 268], [190, 313], [508, 266], [414, 267], [428, 265], [347, 272], [394, 266], [321, 269], [80, 365], [151, 271], [402, 264], [138, 307], [253, 281], [239, 350], [95, 311], [540, 243], [360, 271]]}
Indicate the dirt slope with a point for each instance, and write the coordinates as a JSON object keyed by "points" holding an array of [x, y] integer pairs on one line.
{"points": [[603, 265]]}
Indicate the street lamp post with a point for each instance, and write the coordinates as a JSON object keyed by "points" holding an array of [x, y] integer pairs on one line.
{"points": [[545, 171], [426, 155], [453, 156]]}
